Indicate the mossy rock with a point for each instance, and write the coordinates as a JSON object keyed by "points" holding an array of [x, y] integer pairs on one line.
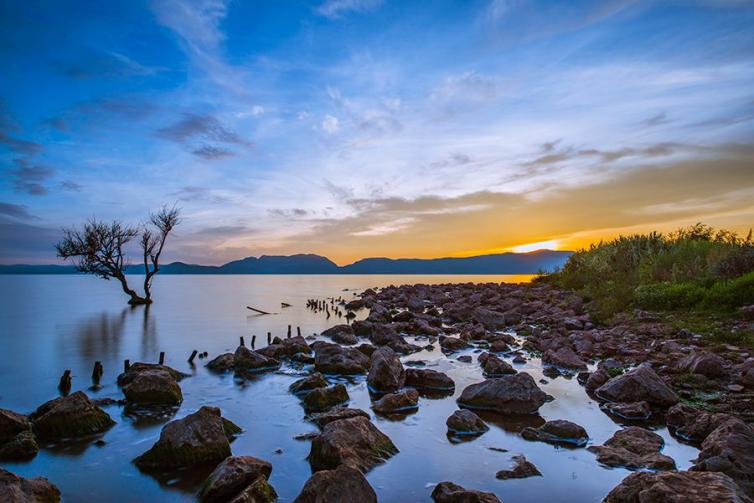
{"points": [[69, 417], [153, 386], [321, 399], [22, 446]]}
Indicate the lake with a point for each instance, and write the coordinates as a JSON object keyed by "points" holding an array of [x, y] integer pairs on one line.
{"points": [[52, 323]]}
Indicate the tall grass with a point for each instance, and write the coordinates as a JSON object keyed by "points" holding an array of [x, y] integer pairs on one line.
{"points": [[697, 267]]}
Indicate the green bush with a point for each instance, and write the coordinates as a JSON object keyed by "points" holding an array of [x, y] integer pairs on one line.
{"points": [[669, 296], [730, 294]]}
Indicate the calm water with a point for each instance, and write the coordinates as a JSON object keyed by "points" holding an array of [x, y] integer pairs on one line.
{"points": [[52, 323]]}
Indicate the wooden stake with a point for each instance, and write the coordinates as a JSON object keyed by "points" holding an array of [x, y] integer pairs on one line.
{"points": [[253, 341], [193, 355], [162, 357], [242, 342], [126, 365], [65, 382]]}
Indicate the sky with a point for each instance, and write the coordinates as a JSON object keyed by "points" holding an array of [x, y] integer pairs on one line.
{"points": [[362, 128]]}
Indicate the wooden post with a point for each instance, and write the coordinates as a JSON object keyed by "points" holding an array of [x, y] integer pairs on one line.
{"points": [[269, 338], [97, 373], [289, 331], [242, 342], [65, 382], [126, 365], [253, 341], [298, 331], [162, 357], [193, 355]]}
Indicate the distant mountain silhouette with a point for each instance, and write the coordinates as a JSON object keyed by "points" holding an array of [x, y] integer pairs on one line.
{"points": [[500, 263]]}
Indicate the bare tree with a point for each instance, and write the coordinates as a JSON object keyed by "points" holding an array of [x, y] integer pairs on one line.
{"points": [[98, 249]]}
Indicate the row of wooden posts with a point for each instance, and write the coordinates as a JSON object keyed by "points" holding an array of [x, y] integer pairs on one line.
{"points": [[66, 379], [317, 305]]}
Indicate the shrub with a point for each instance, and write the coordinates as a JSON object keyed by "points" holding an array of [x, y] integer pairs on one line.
{"points": [[669, 296]]}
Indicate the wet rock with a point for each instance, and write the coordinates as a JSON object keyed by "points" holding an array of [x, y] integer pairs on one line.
{"points": [[335, 359], [320, 399], [596, 379], [355, 305], [704, 363], [518, 359], [686, 487], [137, 368], [386, 373], [397, 402], [384, 335], [67, 417], [730, 449], [515, 394], [632, 411], [492, 320], [558, 432], [637, 385], [306, 384], [464, 358], [239, 479], [223, 363], [428, 379], [355, 442], [247, 360], [634, 448], [500, 346], [343, 484], [448, 492], [563, 357], [15, 489], [522, 469], [323, 418], [153, 386], [465, 422], [691, 423], [199, 438], [494, 366], [450, 344], [342, 334], [17, 441], [285, 348]]}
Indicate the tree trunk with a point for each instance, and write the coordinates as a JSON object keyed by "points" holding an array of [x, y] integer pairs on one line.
{"points": [[136, 299]]}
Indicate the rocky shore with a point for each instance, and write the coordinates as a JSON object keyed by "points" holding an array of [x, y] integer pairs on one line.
{"points": [[637, 368]]}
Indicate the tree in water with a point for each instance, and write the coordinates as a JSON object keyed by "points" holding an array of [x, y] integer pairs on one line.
{"points": [[98, 249]]}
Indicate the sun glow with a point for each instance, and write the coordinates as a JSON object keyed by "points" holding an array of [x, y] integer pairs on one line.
{"points": [[541, 245]]}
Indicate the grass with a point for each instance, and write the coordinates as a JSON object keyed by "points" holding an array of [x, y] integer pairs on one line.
{"points": [[696, 269]]}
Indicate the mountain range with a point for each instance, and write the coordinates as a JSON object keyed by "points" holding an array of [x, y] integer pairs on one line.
{"points": [[499, 263]]}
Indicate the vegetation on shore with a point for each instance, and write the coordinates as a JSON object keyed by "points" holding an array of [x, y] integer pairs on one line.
{"points": [[694, 269]]}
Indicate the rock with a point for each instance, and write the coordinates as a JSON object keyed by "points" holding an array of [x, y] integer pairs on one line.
{"points": [[386, 372], [246, 360], [729, 449], [343, 484], [240, 479], [448, 492], [634, 448], [596, 379], [199, 438], [632, 411], [72, 416], [397, 402], [342, 334], [515, 394], [320, 399], [450, 344], [285, 348], [691, 423], [493, 366], [564, 357], [323, 418], [492, 320], [500, 346], [153, 386], [355, 442], [518, 359], [551, 372], [464, 358], [383, 335], [685, 487], [637, 385], [355, 305], [15, 489], [558, 432], [17, 442], [465, 422], [704, 363], [428, 379], [222, 363], [306, 384], [335, 359], [137, 368], [522, 469]]}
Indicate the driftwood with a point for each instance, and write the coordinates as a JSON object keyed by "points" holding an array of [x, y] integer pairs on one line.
{"points": [[257, 310], [284, 304]]}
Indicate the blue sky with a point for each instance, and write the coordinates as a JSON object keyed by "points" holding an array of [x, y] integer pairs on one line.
{"points": [[357, 128]]}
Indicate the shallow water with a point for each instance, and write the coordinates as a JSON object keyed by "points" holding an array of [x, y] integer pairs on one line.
{"points": [[52, 323]]}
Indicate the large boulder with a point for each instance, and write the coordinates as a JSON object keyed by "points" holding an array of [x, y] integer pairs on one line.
{"points": [[335, 359], [386, 373], [199, 438], [730, 449], [17, 441], [137, 368], [239, 479], [222, 363], [563, 357], [246, 360], [558, 431], [448, 492], [342, 334], [514, 394], [704, 363], [320, 399], [691, 423], [639, 384], [343, 484], [492, 320], [335, 414], [677, 487], [308, 383], [285, 348], [428, 379], [67, 417], [631, 411], [153, 386], [15, 489], [355, 442], [450, 344], [464, 422], [397, 402], [634, 448]]}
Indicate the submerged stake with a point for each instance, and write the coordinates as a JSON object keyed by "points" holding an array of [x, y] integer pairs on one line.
{"points": [[193, 355], [162, 357]]}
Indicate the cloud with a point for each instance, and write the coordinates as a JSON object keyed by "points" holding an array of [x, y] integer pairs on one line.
{"points": [[554, 154], [211, 153], [288, 213], [194, 193], [656, 120], [334, 9], [20, 146], [107, 64], [72, 186], [24, 243], [330, 124], [29, 178], [468, 87], [204, 127], [18, 211]]}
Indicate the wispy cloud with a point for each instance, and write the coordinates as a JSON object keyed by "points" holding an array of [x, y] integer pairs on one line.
{"points": [[335, 9], [18, 211], [29, 178]]}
